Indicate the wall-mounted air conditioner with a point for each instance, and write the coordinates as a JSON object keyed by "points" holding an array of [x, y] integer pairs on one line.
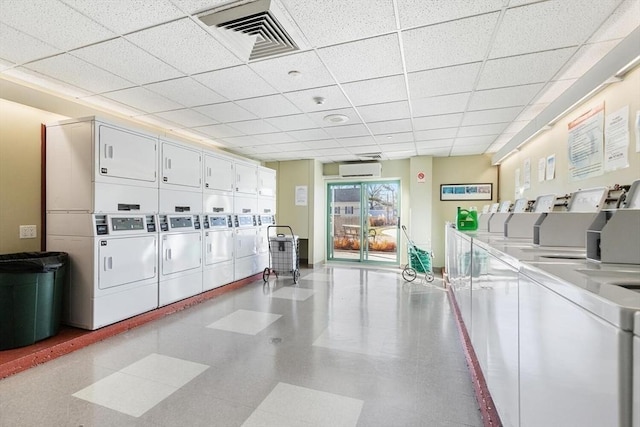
{"points": [[353, 170]]}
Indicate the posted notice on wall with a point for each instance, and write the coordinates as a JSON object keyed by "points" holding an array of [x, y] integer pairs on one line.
{"points": [[551, 167], [526, 182], [585, 144], [301, 195], [542, 167], [616, 140], [637, 131]]}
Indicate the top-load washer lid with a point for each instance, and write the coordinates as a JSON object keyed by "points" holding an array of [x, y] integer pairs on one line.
{"points": [[123, 224], [219, 221], [590, 200], [494, 207], [504, 206], [545, 203], [485, 209], [632, 199], [520, 206]]}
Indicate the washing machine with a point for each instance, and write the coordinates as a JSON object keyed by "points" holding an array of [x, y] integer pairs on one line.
{"points": [[262, 240], [218, 251], [180, 254], [245, 250], [114, 265]]}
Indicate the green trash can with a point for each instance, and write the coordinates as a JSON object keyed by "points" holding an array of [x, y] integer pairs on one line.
{"points": [[31, 289]]}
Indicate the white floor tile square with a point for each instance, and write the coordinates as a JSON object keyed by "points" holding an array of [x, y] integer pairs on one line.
{"points": [[290, 405], [245, 322], [352, 338], [293, 293], [142, 385]]}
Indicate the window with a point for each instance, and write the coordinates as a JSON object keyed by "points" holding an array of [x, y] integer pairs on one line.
{"points": [[336, 210], [348, 210]]}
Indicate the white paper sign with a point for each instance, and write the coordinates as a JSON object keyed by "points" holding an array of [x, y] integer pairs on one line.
{"points": [[638, 131], [526, 184], [542, 167], [301, 195], [551, 167], [616, 140], [586, 145]]}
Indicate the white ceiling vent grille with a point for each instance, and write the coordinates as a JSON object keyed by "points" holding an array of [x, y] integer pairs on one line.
{"points": [[266, 30], [370, 156]]}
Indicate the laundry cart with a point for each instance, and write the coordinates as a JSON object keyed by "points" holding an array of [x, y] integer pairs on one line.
{"points": [[283, 253]]}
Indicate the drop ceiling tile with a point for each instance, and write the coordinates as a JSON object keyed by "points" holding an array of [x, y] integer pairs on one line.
{"points": [[440, 105], [435, 152], [186, 91], [443, 81], [531, 112], [242, 141], [442, 45], [186, 118], [56, 23], [516, 127], [325, 143], [309, 134], [75, 71], [468, 151], [318, 117], [390, 126], [503, 97], [401, 146], [394, 138], [498, 115], [236, 83], [484, 140], [312, 72], [434, 145], [523, 69], [4, 65], [275, 138], [375, 91], [336, 151], [269, 106], [226, 112], [384, 112], [127, 61], [253, 127], [620, 24], [125, 16], [143, 99], [111, 105], [357, 141], [347, 131], [553, 90], [305, 99], [338, 21], [480, 130], [585, 58], [427, 135], [354, 61], [185, 46], [290, 146], [196, 6], [293, 122], [218, 131], [529, 28], [437, 122], [18, 47], [414, 13]]}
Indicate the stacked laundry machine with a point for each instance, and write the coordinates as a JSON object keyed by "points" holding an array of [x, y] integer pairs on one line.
{"points": [[266, 213], [148, 221]]}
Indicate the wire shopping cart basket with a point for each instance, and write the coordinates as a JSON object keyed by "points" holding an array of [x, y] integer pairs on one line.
{"points": [[283, 254], [419, 261]]}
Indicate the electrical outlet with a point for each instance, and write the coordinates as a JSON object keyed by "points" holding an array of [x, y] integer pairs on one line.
{"points": [[28, 232]]}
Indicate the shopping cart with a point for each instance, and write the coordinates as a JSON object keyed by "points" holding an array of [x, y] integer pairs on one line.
{"points": [[283, 254], [419, 261]]}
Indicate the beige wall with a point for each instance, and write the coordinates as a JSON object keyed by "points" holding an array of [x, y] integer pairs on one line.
{"points": [[554, 141], [20, 174], [457, 170]]}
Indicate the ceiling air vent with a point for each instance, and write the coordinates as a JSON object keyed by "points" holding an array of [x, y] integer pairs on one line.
{"points": [[264, 29], [371, 156]]}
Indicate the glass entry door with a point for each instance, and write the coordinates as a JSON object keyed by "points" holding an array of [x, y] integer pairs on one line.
{"points": [[363, 221]]}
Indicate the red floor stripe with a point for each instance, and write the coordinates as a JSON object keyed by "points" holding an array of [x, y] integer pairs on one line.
{"points": [[71, 339], [487, 408]]}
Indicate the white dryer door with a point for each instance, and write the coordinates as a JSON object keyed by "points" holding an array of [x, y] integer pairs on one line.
{"points": [[218, 246], [126, 260], [181, 252], [246, 242], [181, 166], [127, 155]]}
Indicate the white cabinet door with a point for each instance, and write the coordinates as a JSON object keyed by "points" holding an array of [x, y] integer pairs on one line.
{"points": [[266, 182], [218, 246], [246, 178], [218, 173], [125, 154], [126, 260], [572, 364], [245, 242], [181, 252], [181, 166]]}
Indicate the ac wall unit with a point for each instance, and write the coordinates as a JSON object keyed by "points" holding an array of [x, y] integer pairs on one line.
{"points": [[352, 170]]}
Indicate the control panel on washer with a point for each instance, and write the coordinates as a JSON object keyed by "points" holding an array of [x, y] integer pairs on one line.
{"points": [[245, 220], [266, 220], [179, 222], [218, 221], [121, 225]]}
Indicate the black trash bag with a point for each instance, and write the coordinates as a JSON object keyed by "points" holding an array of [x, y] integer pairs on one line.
{"points": [[32, 262]]}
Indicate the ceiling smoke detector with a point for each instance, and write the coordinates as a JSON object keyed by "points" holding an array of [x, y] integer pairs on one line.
{"points": [[336, 118], [257, 29]]}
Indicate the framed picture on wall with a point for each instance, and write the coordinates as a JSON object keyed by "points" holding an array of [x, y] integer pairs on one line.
{"points": [[466, 191]]}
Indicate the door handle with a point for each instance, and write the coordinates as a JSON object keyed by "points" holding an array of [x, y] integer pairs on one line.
{"points": [[108, 263], [168, 254], [111, 151]]}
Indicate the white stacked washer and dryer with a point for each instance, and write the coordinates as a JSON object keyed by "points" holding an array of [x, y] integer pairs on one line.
{"points": [[245, 207], [180, 206], [266, 213], [101, 202]]}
